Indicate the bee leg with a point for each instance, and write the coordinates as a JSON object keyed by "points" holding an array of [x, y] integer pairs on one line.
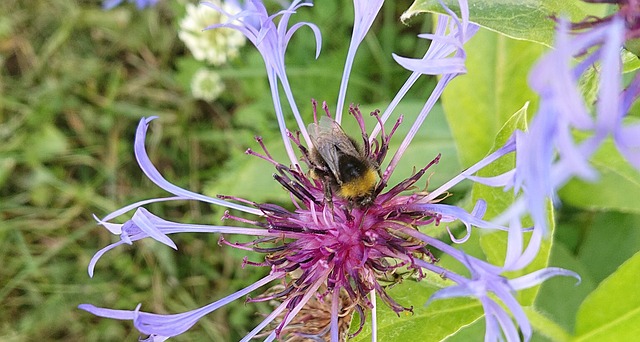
{"points": [[350, 206], [328, 195]]}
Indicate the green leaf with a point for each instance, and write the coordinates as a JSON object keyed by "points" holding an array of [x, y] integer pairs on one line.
{"points": [[560, 297], [609, 239], [524, 19], [434, 322], [479, 103], [471, 332], [615, 174], [612, 311], [546, 325], [630, 62]]}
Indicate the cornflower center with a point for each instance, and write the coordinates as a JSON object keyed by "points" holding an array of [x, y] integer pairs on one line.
{"points": [[345, 247]]}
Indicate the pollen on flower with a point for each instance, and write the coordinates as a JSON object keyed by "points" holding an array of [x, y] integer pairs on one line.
{"points": [[214, 46]]}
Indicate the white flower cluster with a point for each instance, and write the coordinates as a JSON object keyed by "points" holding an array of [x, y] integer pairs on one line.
{"points": [[214, 46], [206, 85]]}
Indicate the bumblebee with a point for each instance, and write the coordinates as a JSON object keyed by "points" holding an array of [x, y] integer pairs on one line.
{"points": [[343, 167]]}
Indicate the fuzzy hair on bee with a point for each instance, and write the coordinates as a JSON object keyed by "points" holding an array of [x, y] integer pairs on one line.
{"points": [[338, 161]]}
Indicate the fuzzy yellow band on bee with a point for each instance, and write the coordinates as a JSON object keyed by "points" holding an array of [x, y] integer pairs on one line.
{"points": [[358, 187]]}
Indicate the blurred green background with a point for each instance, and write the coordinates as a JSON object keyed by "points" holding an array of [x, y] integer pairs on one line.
{"points": [[74, 81]]}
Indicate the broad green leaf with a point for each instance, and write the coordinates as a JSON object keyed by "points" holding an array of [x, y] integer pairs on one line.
{"points": [[612, 311], [560, 297], [615, 174], [546, 326], [478, 103], [434, 322], [609, 239], [471, 332], [524, 19]]}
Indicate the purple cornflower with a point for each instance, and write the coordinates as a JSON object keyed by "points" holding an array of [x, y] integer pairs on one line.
{"points": [[140, 4], [332, 248], [548, 153]]}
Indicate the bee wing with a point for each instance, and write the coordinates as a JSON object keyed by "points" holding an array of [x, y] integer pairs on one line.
{"points": [[341, 139], [330, 140]]}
